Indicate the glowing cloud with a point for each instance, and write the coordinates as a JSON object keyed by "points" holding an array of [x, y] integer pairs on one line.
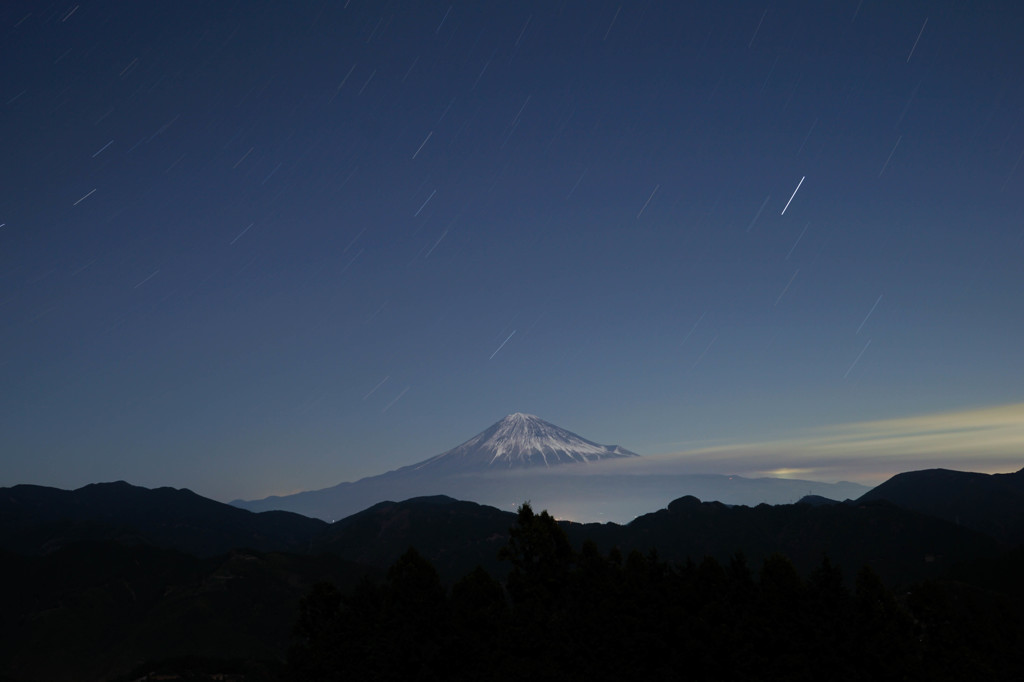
{"points": [[989, 439]]}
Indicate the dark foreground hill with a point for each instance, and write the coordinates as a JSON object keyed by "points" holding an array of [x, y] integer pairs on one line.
{"points": [[96, 610], [102, 579], [564, 613], [37, 519], [990, 503], [900, 545], [455, 536]]}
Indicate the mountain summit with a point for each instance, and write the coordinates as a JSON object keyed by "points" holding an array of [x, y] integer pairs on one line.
{"points": [[518, 441]]}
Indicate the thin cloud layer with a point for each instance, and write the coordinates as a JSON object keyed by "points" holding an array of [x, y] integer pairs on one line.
{"points": [[989, 439]]}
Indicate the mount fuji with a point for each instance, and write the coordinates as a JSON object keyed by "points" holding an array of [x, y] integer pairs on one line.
{"points": [[518, 441], [482, 469], [522, 457]]}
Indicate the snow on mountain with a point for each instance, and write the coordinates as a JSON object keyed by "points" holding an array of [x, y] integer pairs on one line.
{"points": [[516, 442]]}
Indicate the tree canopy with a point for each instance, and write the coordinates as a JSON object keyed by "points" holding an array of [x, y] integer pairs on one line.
{"points": [[578, 614]]}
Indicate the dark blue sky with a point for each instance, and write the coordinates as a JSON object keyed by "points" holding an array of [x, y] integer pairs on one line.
{"points": [[257, 247]]}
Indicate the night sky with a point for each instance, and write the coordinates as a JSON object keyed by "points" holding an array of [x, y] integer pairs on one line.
{"points": [[257, 247]]}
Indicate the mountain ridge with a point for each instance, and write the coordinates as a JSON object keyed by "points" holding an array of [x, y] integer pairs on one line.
{"points": [[458, 533], [40, 519], [990, 503], [115, 573]]}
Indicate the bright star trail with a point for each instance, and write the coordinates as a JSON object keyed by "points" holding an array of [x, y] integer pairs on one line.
{"points": [[502, 345], [792, 195]]}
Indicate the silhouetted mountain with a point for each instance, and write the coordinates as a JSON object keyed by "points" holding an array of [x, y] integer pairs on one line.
{"points": [[457, 535], [900, 545], [990, 503], [816, 500], [93, 576], [453, 535], [569, 614], [37, 519]]}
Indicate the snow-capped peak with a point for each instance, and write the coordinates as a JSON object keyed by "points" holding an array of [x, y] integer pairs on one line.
{"points": [[518, 441]]}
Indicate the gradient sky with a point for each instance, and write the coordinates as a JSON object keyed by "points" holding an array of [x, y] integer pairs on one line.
{"points": [[257, 247]]}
